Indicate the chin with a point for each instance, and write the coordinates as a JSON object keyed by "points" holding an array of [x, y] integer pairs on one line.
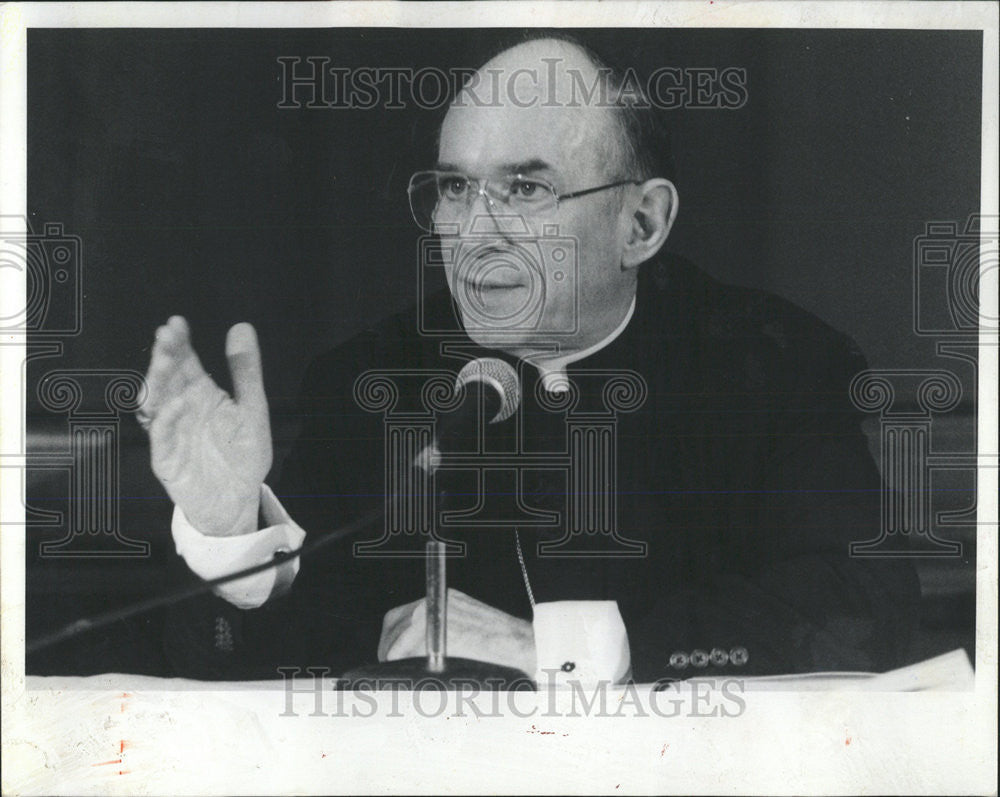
{"points": [[501, 339]]}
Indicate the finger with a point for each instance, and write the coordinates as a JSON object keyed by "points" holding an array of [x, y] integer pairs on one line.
{"points": [[390, 639], [178, 335], [409, 644], [408, 639], [395, 614], [390, 631], [243, 354], [162, 365], [393, 624], [173, 364]]}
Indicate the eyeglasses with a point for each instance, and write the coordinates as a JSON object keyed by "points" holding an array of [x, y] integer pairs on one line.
{"points": [[439, 198]]}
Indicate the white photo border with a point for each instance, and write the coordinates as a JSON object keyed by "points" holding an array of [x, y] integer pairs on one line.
{"points": [[235, 741]]}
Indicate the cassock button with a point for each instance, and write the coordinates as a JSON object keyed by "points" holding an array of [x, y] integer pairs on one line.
{"points": [[719, 657], [739, 656], [679, 660], [699, 658]]}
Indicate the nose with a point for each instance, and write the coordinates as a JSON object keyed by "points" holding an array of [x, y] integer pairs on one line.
{"points": [[489, 216], [481, 213]]}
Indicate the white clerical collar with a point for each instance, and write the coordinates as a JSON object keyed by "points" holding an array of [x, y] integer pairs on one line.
{"points": [[553, 369]]}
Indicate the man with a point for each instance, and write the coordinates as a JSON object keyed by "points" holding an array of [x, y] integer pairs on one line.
{"points": [[744, 472]]}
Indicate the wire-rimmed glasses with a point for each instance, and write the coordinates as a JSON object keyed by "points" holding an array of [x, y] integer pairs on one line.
{"points": [[439, 198]]}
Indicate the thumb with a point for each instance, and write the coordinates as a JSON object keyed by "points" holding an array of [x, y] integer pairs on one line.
{"points": [[243, 354]]}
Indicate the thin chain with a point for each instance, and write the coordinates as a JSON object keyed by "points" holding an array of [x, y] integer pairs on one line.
{"points": [[524, 570]]}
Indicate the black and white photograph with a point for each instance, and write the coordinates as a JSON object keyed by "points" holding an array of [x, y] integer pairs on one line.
{"points": [[442, 398]]}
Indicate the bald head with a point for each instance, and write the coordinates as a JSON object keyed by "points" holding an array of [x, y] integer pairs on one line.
{"points": [[559, 214], [558, 89]]}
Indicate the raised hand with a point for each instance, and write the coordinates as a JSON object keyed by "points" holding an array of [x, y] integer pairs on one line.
{"points": [[210, 451]]}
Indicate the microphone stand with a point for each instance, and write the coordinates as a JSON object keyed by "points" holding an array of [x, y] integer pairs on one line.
{"points": [[436, 670]]}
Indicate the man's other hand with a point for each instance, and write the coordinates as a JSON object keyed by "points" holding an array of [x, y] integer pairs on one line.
{"points": [[475, 631], [210, 451]]}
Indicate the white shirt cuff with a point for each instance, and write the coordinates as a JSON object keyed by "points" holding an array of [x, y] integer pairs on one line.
{"points": [[580, 641], [212, 557]]}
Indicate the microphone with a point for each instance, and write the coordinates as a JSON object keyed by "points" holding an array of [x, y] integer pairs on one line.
{"points": [[497, 374], [492, 391]]}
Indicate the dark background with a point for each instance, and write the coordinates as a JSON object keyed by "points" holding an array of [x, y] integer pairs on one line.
{"points": [[193, 193]]}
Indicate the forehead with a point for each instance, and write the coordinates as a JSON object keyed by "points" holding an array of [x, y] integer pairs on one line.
{"points": [[485, 139]]}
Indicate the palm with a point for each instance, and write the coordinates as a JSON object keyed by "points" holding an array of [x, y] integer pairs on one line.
{"points": [[210, 451]]}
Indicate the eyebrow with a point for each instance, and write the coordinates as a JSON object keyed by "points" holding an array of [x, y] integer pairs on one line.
{"points": [[524, 167], [519, 167]]}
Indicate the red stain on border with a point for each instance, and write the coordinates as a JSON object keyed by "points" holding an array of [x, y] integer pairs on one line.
{"points": [[847, 741], [122, 747], [663, 749]]}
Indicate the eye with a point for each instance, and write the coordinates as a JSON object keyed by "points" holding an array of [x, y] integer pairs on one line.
{"points": [[523, 189], [453, 186]]}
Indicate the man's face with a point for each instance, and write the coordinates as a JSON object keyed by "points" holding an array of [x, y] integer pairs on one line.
{"points": [[514, 290]]}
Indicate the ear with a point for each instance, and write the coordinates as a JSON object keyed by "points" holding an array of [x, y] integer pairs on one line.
{"points": [[652, 216]]}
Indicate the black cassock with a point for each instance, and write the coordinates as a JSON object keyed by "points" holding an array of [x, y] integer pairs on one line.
{"points": [[743, 470]]}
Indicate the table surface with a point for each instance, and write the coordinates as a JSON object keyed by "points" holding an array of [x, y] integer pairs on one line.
{"points": [[840, 732], [949, 671]]}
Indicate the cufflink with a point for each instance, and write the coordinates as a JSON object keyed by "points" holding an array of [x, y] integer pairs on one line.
{"points": [[281, 553], [284, 574]]}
